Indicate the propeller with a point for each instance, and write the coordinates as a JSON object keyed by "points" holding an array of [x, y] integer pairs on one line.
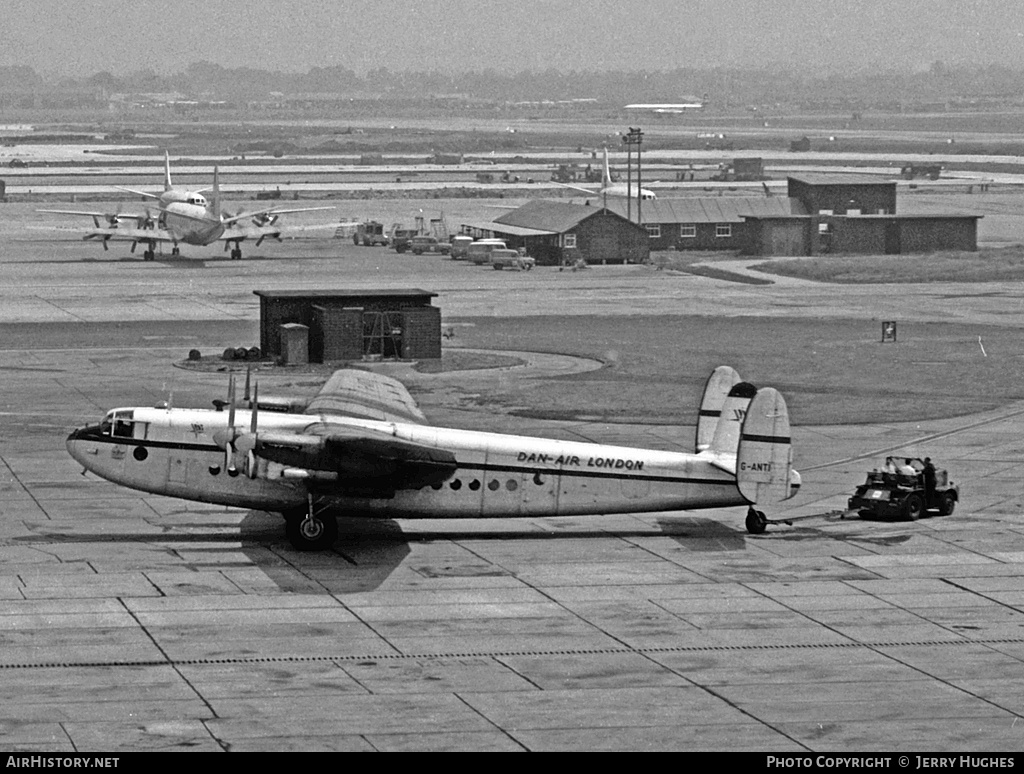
{"points": [[265, 219], [146, 221], [226, 438], [229, 452], [235, 442], [247, 443]]}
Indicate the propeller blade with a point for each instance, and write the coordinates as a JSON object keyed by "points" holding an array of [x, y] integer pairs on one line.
{"points": [[231, 403], [229, 451], [255, 407]]}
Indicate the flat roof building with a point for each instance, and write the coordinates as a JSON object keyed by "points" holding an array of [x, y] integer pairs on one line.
{"points": [[353, 324]]}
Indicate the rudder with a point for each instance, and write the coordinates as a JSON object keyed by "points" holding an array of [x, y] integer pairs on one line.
{"points": [[765, 455], [726, 436], [716, 390]]}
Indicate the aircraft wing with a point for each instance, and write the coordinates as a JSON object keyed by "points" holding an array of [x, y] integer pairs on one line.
{"points": [[129, 234], [270, 211], [125, 215], [366, 395], [362, 460], [144, 194], [590, 191]]}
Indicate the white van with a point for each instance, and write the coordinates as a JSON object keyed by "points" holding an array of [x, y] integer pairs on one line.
{"points": [[480, 251]]}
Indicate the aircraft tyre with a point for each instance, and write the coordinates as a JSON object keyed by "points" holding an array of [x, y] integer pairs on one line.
{"points": [[757, 522], [947, 504], [913, 507], [305, 533]]}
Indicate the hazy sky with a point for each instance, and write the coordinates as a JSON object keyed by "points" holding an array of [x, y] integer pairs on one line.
{"points": [[82, 37]]}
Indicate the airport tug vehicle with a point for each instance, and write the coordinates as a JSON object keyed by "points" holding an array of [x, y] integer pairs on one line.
{"points": [[895, 492], [362, 446]]}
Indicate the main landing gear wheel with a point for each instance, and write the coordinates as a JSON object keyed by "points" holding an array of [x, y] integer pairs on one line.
{"points": [[149, 255], [307, 532], [947, 505], [757, 522], [236, 254]]}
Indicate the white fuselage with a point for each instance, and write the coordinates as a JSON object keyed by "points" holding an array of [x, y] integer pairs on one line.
{"points": [[623, 190], [173, 452], [188, 218]]}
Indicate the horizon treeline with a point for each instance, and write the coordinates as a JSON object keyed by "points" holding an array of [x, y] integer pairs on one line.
{"points": [[772, 84]]}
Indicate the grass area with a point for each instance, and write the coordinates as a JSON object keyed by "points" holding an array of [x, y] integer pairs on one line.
{"points": [[987, 265], [831, 371]]}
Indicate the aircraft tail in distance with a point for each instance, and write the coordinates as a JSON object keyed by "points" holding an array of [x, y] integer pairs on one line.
{"points": [[167, 171]]}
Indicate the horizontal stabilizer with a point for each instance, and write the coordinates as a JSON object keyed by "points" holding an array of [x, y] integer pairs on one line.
{"points": [[765, 452], [718, 386]]}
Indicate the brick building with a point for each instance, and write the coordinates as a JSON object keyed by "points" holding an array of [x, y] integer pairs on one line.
{"points": [[353, 324]]}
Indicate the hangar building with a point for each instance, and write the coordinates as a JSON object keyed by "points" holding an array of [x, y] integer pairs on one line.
{"points": [[555, 232], [349, 324]]}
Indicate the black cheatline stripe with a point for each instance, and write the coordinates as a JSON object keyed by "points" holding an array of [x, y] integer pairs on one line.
{"points": [[116, 441], [766, 438], [709, 413]]}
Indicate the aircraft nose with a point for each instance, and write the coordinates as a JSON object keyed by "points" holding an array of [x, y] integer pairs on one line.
{"points": [[75, 444]]}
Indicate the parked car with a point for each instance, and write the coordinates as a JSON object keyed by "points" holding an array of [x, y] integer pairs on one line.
{"points": [[425, 243], [511, 259]]}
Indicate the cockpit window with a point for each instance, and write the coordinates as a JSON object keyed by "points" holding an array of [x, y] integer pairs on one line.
{"points": [[119, 424], [197, 200]]}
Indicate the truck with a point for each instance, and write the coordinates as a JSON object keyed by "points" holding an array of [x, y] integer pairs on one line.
{"points": [[369, 233], [425, 243], [399, 236], [899, 490]]}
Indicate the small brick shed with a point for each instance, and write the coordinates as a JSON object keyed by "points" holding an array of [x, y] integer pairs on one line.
{"points": [[353, 324]]}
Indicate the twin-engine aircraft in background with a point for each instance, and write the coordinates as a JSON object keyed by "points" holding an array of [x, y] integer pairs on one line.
{"points": [[185, 216], [610, 188], [362, 447]]}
